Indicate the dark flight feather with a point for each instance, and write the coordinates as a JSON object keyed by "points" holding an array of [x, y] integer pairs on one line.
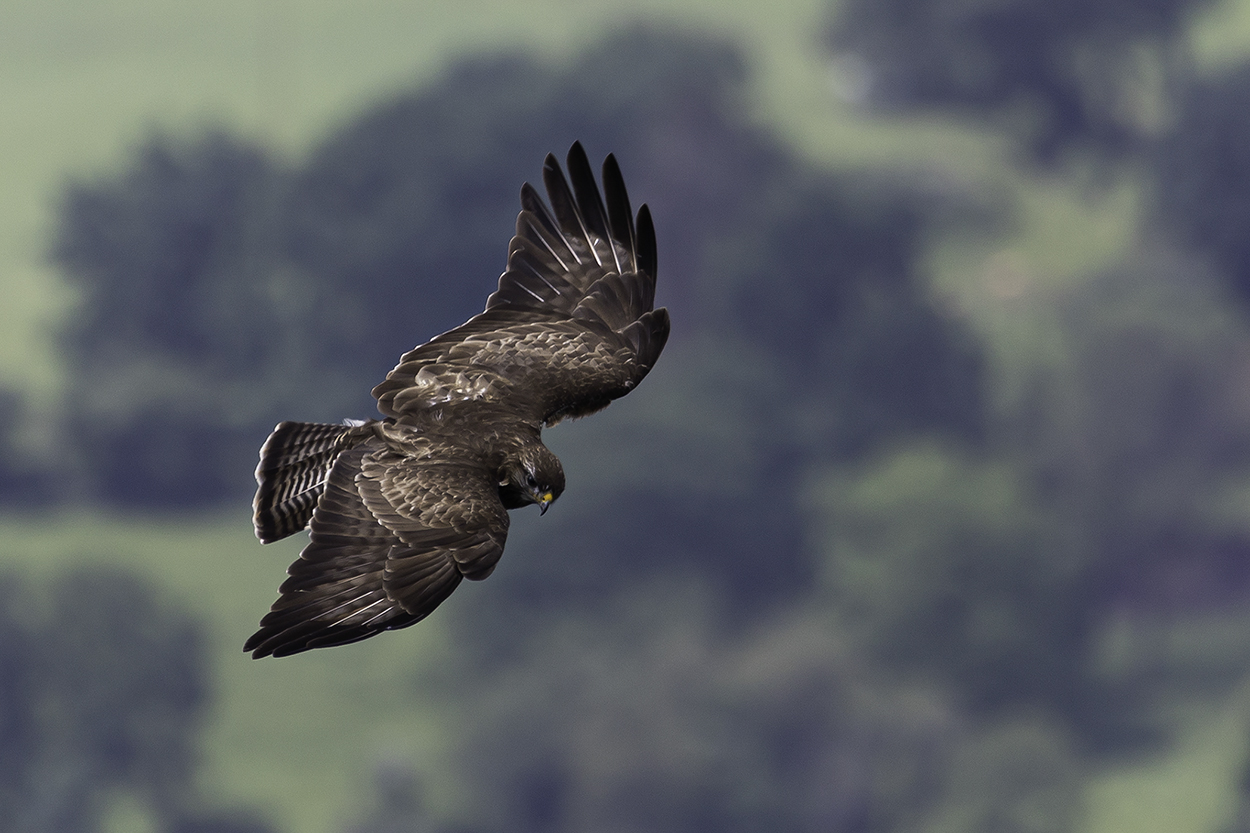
{"points": [[402, 509], [620, 217]]}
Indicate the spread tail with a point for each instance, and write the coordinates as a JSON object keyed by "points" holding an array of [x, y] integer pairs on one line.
{"points": [[294, 463]]}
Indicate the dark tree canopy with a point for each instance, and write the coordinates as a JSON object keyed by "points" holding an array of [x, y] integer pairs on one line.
{"points": [[1072, 72], [1202, 173], [162, 254], [25, 479], [102, 690], [178, 326], [780, 728]]}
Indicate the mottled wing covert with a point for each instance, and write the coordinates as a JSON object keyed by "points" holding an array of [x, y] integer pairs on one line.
{"points": [[571, 326]]}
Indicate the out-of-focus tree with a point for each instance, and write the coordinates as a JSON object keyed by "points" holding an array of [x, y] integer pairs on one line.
{"points": [[228, 822], [398, 802], [123, 684], [1000, 572], [824, 286], [102, 687], [25, 478], [664, 723], [1092, 74], [658, 717], [18, 700], [1202, 174], [1142, 426], [942, 564], [1019, 776], [177, 342], [1134, 438]]}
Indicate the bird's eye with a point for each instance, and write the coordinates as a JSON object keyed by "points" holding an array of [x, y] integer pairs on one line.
{"points": [[531, 481]]}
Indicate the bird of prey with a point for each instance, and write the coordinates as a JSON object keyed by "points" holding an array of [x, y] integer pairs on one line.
{"points": [[400, 509]]}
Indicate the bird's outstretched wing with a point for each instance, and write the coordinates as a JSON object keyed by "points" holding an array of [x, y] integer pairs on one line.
{"points": [[572, 325], [391, 538]]}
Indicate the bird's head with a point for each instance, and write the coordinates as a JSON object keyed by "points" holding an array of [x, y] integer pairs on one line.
{"points": [[533, 476]]}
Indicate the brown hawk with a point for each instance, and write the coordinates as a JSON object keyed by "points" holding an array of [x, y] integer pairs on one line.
{"points": [[400, 509]]}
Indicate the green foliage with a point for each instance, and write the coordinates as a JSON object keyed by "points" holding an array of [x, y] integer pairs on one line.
{"points": [[177, 332], [1135, 436], [24, 479], [158, 251], [1000, 574], [1076, 73], [102, 687], [943, 562], [1017, 777], [655, 717], [1200, 170], [824, 286]]}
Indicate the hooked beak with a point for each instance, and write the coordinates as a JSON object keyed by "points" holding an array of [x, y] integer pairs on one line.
{"points": [[544, 500]]}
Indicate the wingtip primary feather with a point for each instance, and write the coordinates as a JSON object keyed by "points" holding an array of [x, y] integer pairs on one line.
{"points": [[590, 207], [564, 207], [647, 256], [620, 216]]}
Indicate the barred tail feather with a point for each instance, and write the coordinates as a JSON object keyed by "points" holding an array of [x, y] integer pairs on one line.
{"points": [[294, 462]]}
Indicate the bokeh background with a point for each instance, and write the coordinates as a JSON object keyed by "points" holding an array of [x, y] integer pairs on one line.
{"points": [[933, 518]]}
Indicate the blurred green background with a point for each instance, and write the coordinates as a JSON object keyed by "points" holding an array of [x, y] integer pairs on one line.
{"points": [[934, 517]]}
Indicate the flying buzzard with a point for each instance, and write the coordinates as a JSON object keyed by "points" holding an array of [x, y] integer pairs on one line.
{"points": [[402, 508]]}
